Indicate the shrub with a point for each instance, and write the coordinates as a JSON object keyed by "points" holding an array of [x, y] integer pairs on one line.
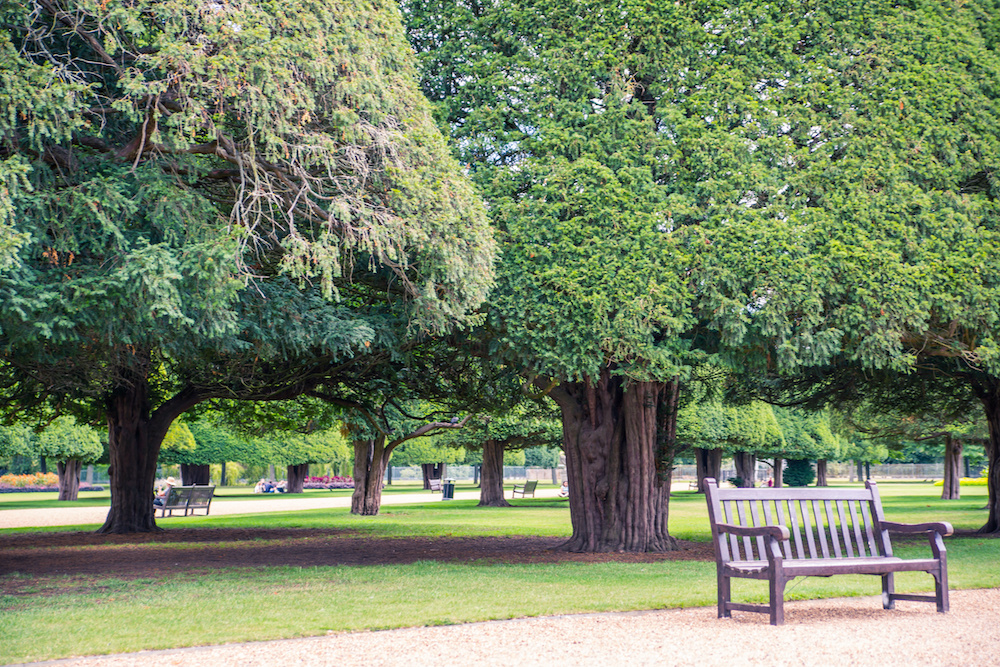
{"points": [[799, 472], [30, 480]]}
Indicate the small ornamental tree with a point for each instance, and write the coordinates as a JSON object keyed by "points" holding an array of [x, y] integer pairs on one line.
{"points": [[71, 444], [799, 473], [495, 436]]}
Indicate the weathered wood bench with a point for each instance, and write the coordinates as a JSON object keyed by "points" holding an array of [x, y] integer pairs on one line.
{"points": [[186, 498], [527, 487], [780, 534], [435, 485]]}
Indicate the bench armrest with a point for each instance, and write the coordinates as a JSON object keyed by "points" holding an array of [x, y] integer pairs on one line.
{"points": [[777, 532], [940, 527]]}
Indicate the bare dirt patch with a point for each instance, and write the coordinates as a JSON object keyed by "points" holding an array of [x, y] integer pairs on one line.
{"points": [[191, 550]]}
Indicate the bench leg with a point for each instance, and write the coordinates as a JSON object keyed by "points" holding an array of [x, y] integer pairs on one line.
{"points": [[888, 588], [777, 603], [941, 590], [725, 594]]}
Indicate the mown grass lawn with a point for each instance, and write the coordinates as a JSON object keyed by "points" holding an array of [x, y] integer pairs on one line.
{"points": [[59, 616]]}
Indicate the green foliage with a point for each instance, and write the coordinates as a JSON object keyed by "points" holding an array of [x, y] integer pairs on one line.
{"points": [[187, 205], [808, 435], [549, 106], [426, 450], [65, 439], [712, 424], [799, 472], [541, 457]]}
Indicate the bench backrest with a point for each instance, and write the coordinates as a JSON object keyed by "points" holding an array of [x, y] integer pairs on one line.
{"points": [[822, 522], [177, 496], [529, 487], [201, 495], [435, 484]]}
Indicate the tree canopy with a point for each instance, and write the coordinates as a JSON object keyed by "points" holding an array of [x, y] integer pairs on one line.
{"points": [[217, 201]]}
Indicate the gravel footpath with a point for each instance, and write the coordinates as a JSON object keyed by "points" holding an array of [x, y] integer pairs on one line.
{"points": [[75, 516], [848, 631]]}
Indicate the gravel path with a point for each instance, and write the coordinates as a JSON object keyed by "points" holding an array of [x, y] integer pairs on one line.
{"points": [[75, 516], [849, 631]]}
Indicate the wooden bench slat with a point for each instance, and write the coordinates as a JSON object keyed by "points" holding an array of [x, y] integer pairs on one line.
{"points": [[741, 511], [807, 527], [845, 529], [859, 540], [756, 521]]}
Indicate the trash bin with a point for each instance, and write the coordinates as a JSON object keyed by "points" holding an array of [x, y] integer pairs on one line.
{"points": [[448, 490]]}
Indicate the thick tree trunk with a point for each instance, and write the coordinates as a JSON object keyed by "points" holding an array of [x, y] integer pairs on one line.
{"points": [[779, 479], [620, 489], [296, 477], [708, 463], [433, 471], [989, 394], [134, 444], [69, 478], [222, 474], [951, 489], [43, 464], [746, 468], [821, 472], [491, 493], [196, 474], [370, 460]]}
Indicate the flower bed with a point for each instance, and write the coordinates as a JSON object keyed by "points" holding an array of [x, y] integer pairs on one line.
{"points": [[326, 482], [37, 482]]}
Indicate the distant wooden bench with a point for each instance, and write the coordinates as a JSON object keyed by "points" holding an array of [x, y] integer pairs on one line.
{"points": [[435, 485], [186, 498], [780, 534], [527, 487]]}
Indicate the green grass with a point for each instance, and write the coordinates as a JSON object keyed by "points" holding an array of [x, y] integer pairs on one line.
{"points": [[108, 615]]}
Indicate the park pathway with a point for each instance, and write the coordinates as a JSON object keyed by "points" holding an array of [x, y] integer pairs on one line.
{"points": [[74, 516], [824, 633]]}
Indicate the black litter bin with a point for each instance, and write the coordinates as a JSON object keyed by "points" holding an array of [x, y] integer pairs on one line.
{"points": [[448, 490]]}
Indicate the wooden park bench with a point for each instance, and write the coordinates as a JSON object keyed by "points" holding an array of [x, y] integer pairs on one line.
{"points": [[527, 487], [186, 498], [778, 534], [435, 485]]}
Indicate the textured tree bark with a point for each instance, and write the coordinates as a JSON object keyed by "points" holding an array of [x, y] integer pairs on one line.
{"points": [[370, 460], [134, 445], [746, 468], [952, 488], [433, 471], [619, 490], [222, 474], [69, 478], [989, 395], [296, 475], [708, 463], [821, 472], [196, 473], [779, 479], [491, 493]]}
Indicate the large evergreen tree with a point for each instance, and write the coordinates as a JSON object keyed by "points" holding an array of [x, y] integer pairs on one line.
{"points": [[558, 110], [856, 232], [216, 200]]}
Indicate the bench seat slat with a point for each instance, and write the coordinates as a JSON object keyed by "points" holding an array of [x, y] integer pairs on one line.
{"points": [[810, 567]]}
